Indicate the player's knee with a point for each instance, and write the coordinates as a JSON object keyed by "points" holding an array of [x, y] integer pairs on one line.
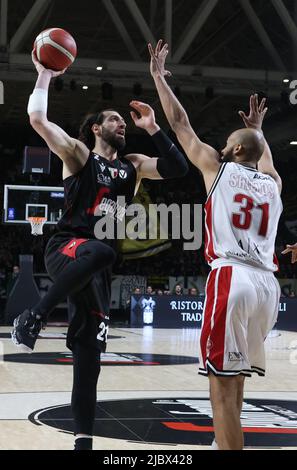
{"points": [[225, 404], [225, 397]]}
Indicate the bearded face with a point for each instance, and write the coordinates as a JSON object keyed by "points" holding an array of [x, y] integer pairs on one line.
{"points": [[228, 155], [116, 139]]}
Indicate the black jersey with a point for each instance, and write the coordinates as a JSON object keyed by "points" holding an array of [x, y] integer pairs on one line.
{"points": [[94, 191]]}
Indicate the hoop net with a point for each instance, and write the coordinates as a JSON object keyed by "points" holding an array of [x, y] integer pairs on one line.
{"points": [[37, 224]]}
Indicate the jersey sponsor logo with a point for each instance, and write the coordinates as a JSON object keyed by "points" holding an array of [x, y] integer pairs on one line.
{"points": [[248, 246], [104, 179], [246, 257], [181, 420], [262, 177]]}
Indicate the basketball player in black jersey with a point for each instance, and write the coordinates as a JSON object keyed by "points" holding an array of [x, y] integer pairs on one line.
{"points": [[80, 264]]}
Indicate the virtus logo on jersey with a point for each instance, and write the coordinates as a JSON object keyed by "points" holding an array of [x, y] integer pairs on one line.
{"points": [[1, 93], [123, 174]]}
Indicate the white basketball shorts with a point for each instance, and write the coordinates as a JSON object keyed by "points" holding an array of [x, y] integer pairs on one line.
{"points": [[241, 307]]}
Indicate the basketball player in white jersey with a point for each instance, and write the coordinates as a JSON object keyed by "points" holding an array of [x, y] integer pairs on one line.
{"points": [[242, 213]]}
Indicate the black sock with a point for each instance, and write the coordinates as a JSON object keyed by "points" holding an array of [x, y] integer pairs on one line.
{"points": [[83, 443], [86, 369]]}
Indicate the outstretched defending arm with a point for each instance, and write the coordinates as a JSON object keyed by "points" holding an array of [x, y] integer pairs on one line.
{"points": [[73, 152], [291, 249], [171, 163], [201, 155], [255, 120]]}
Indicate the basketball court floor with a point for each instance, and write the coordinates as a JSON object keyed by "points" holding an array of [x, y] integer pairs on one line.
{"points": [[150, 396]]}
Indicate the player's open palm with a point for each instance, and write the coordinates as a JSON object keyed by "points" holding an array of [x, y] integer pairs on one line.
{"points": [[257, 113], [40, 68], [158, 59], [145, 116], [291, 249]]}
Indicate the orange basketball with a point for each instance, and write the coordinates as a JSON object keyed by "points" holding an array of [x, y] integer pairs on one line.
{"points": [[55, 49]]}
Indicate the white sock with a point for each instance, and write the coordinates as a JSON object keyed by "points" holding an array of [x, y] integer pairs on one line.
{"points": [[214, 445], [83, 436]]}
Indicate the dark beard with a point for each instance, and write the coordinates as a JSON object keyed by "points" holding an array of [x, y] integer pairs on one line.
{"points": [[229, 157], [116, 142]]}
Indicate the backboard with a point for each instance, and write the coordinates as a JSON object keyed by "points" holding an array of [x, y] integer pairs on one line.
{"points": [[21, 202]]}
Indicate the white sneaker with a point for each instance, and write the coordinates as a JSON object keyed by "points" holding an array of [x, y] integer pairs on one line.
{"points": [[214, 445]]}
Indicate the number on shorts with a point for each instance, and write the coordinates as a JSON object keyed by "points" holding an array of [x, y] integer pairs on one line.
{"points": [[103, 333]]}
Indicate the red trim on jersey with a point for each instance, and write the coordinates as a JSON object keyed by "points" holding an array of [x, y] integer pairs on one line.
{"points": [[71, 247], [210, 300], [209, 250], [100, 195], [217, 335]]}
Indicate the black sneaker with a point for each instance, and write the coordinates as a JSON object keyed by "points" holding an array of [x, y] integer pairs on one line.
{"points": [[25, 332]]}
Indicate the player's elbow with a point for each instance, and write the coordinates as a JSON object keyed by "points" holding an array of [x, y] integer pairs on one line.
{"points": [[37, 121], [183, 168], [176, 167], [180, 122]]}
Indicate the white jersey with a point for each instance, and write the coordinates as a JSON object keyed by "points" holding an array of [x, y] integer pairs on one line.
{"points": [[242, 214]]}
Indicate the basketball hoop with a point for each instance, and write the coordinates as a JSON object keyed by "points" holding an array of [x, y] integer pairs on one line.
{"points": [[37, 224]]}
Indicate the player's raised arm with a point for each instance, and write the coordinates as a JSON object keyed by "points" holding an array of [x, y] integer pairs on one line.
{"points": [[291, 249], [171, 163], [255, 120], [73, 152], [201, 155]]}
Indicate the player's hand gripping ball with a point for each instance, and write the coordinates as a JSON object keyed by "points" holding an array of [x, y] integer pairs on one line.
{"points": [[55, 49]]}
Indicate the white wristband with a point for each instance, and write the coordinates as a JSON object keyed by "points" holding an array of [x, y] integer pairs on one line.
{"points": [[38, 101]]}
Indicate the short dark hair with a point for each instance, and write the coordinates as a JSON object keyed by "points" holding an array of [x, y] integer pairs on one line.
{"points": [[86, 135]]}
